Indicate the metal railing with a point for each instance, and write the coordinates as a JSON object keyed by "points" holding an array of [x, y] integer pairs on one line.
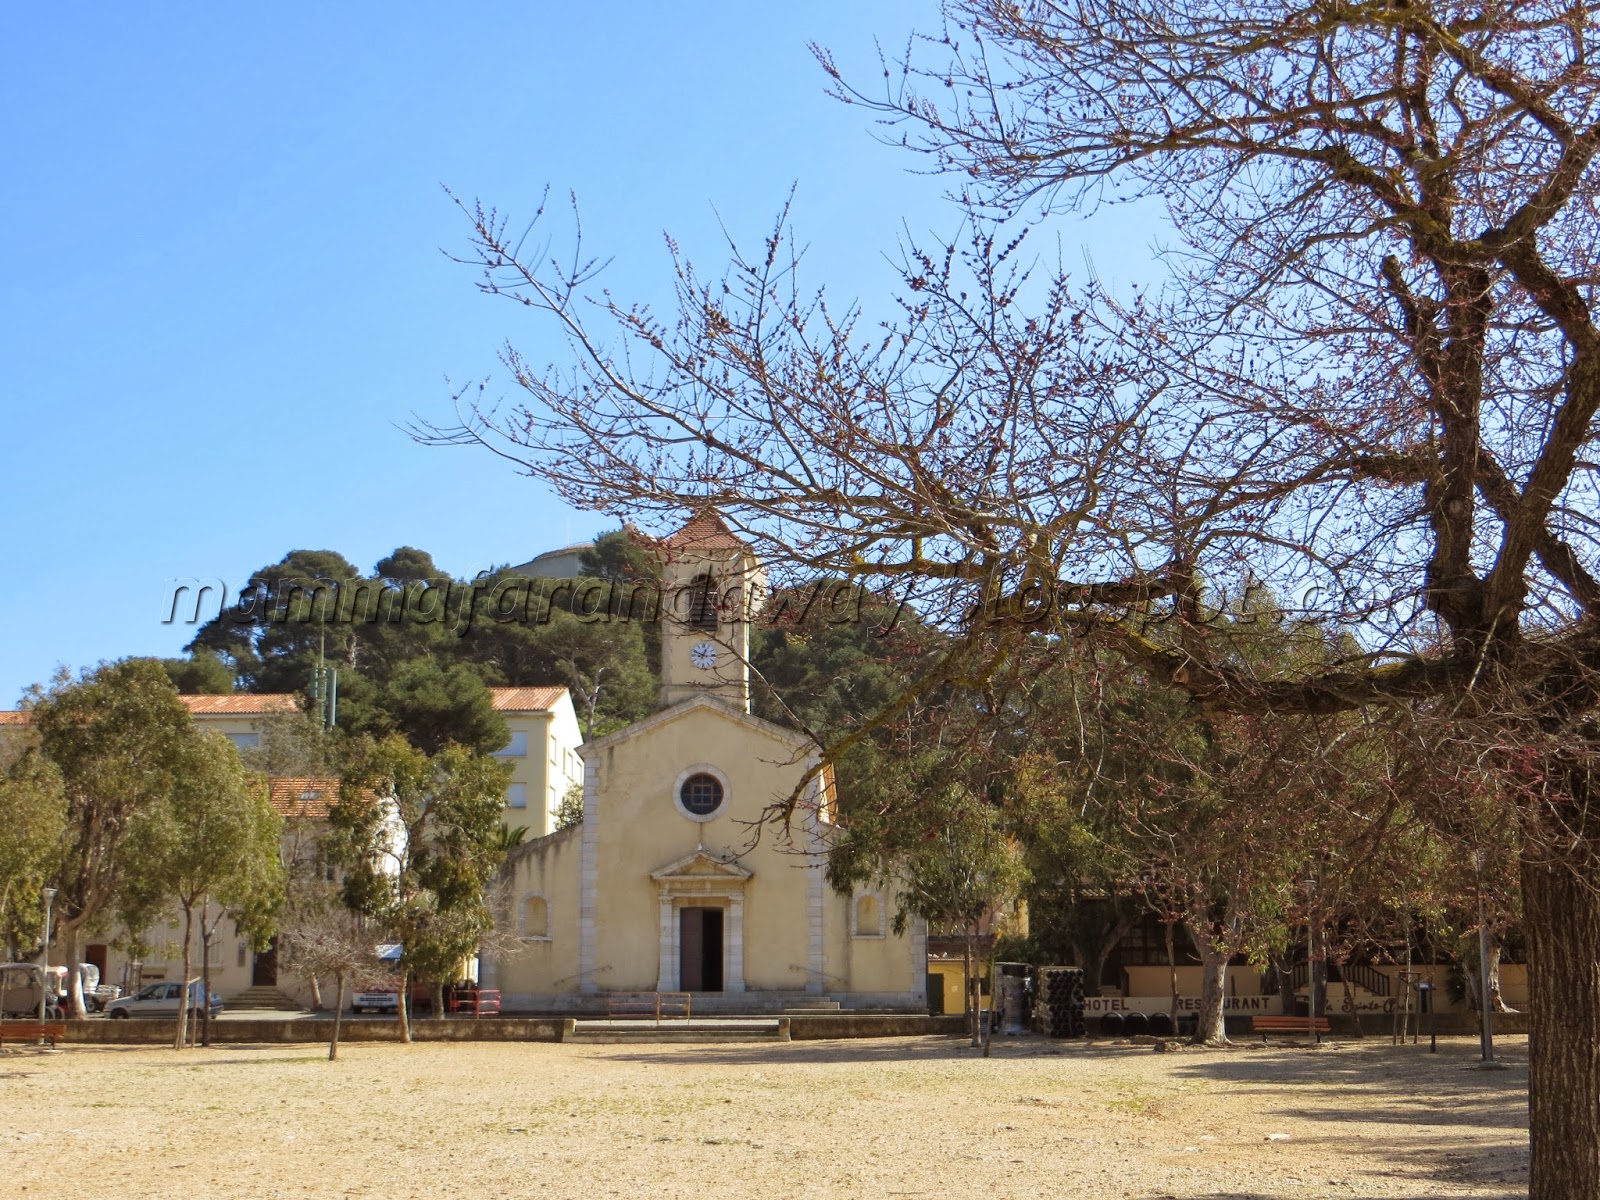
{"points": [[1360, 974], [646, 1005]]}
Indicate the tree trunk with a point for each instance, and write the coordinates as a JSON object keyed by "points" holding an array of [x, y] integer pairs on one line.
{"points": [[1093, 951], [1172, 971], [1495, 998], [316, 992], [1561, 915], [1094, 968], [436, 995], [973, 994], [69, 945], [205, 974], [183, 991], [1317, 969], [994, 1002], [1213, 980], [1467, 953], [405, 1006], [1283, 968], [338, 1017]]}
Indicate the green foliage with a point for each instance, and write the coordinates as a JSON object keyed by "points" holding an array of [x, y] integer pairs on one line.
{"points": [[213, 836], [825, 655], [118, 736], [509, 839], [1025, 950], [941, 847], [33, 814], [294, 744], [431, 706], [416, 650], [419, 839], [618, 557], [606, 665], [569, 810], [409, 565], [202, 673]]}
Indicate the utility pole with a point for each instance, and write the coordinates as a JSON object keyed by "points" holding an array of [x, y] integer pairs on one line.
{"points": [[44, 956], [325, 686], [1312, 923]]}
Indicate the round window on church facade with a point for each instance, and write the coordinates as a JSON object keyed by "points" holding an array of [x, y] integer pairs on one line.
{"points": [[701, 795]]}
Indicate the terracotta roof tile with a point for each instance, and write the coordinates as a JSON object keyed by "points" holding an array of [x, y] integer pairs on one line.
{"points": [[706, 530], [236, 704], [526, 699], [302, 796], [243, 704]]}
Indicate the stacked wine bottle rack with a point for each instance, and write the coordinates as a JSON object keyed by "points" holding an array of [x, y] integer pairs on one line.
{"points": [[1058, 1001]]}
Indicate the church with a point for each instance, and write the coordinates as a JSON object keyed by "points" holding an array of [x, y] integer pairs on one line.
{"points": [[672, 882]]}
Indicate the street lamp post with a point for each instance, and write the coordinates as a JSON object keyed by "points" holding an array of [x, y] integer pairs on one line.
{"points": [[44, 952], [1485, 1005], [1426, 988], [1311, 963]]}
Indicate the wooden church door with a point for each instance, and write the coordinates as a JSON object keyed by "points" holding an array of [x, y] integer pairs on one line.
{"points": [[700, 949]]}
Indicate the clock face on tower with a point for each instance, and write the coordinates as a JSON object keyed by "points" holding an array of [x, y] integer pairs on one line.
{"points": [[703, 655]]}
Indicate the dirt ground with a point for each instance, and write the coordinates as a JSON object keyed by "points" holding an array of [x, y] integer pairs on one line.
{"points": [[890, 1117]]}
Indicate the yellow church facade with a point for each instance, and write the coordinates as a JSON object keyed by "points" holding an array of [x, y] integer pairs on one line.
{"points": [[675, 881]]}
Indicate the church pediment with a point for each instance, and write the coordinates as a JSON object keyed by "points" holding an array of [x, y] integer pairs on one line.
{"points": [[702, 864], [795, 746]]}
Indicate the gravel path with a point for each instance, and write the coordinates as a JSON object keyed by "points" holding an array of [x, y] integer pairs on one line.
{"points": [[891, 1117]]}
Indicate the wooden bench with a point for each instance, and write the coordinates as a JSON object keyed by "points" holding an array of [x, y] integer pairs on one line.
{"points": [[33, 1031], [1304, 1025], [647, 1005]]}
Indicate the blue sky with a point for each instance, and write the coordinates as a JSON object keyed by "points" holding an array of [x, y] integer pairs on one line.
{"points": [[222, 287]]}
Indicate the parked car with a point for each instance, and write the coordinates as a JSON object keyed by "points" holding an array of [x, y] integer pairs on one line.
{"points": [[20, 987], [160, 1000]]}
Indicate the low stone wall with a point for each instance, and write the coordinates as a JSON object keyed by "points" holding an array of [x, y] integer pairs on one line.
{"points": [[807, 1027], [318, 1029], [810, 1027]]}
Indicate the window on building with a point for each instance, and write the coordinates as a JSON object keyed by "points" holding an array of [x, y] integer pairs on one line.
{"points": [[701, 607], [869, 917], [517, 747], [535, 917], [701, 795], [517, 796], [245, 741]]}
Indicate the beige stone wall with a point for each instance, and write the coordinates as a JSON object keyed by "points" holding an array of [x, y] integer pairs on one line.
{"points": [[639, 828], [740, 586], [615, 886], [538, 964]]}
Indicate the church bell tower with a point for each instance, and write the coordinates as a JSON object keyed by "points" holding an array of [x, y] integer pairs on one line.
{"points": [[712, 586]]}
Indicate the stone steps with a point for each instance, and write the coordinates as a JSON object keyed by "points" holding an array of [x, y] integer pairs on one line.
{"points": [[676, 1029], [760, 1004], [260, 998]]}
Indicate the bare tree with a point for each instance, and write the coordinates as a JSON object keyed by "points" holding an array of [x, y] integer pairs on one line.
{"points": [[321, 937], [1371, 378]]}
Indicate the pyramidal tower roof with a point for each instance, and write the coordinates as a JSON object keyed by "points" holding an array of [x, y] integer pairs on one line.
{"points": [[706, 530]]}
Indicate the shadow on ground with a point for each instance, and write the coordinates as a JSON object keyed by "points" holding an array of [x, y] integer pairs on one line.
{"points": [[1434, 1118]]}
